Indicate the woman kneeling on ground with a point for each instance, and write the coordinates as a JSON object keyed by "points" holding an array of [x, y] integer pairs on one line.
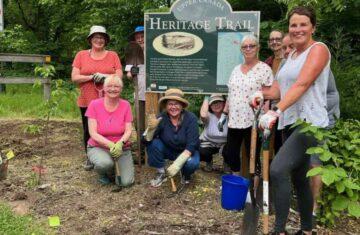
{"points": [[212, 141], [110, 120], [174, 136], [302, 83]]}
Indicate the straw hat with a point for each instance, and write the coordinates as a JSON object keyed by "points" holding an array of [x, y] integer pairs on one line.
{"points": [[216, 97], [98, 29], [173, 94]]}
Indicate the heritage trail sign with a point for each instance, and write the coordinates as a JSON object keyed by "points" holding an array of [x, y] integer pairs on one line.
{"points": [[195, 46]]}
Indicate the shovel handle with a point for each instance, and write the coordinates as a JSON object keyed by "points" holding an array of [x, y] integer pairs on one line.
{"points": [[173, 185], [253, 150], [117, 167]]}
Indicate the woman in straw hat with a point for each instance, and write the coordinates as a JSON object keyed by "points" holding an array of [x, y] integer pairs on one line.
{"points": [[173, 135], [212, 141], [90, 67]]}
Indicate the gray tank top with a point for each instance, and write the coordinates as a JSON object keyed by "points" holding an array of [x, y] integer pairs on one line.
{"points": [[311, 106]]}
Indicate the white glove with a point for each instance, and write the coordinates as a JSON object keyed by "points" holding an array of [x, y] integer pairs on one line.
{"points": [[254, 99], [221, 122], [177, 164], [268, 119], [98, 77]]}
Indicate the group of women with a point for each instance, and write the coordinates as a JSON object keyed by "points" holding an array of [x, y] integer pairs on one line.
{"points": [[300, 84]]}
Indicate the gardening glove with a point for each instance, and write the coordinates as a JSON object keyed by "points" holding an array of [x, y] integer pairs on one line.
{"points": [[174, 168], [254, 99], [221, 122], [268, 119], [98, 77], [152, 124], [206, 98], [116, 149], [134, 71]]}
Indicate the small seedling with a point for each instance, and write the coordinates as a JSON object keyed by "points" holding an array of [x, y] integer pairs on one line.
{"points": [[31, 129]]}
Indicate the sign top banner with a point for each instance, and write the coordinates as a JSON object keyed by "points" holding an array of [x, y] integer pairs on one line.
{"points": [[196, 45]]}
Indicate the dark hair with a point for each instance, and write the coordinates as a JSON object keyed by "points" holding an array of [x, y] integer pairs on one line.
{"points": [[304, 10]]}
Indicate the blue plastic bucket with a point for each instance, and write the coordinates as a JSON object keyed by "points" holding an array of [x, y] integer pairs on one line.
{"points": [[233, 192]]}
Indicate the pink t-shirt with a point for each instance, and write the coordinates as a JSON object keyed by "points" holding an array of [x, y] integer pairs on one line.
{"points": [[87, 66], [111, 125]]}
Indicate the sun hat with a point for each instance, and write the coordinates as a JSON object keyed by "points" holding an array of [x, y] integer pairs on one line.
{"points": [[216, 97], [98, 29], [173, 94], [138, 29]]}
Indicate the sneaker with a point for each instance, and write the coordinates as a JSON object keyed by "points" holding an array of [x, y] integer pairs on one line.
{"points": [[208, 167], [185, 179], [104, 180], [158, 180], [88, 165], [226, 168]]}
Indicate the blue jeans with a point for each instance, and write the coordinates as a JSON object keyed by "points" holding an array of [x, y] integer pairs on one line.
{"points": [[157, 152]]}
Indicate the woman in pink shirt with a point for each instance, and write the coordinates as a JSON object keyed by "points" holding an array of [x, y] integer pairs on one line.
{"points": [[109, 120], [90, 67]]}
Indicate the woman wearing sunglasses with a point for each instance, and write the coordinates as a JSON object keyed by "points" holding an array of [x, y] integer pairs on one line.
{"points": [[245, 79]]}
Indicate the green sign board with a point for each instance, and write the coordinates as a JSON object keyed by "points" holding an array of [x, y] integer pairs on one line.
{"points": [[195, 46]]}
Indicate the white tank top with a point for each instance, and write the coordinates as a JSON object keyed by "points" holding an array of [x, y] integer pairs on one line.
{"points": [[311, 106]]}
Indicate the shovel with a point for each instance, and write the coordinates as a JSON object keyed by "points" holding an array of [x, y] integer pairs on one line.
{"points": [[117, 175], [252, 211], [266, 154]]}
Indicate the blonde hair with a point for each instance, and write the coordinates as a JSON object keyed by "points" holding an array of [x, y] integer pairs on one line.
{"points": [[115, 78]]}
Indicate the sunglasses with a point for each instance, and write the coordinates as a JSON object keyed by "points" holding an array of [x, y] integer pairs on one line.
{"points": [[251, 46]]}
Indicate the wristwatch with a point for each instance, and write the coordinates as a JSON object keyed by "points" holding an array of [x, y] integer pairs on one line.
{"points": [[276, 109]]}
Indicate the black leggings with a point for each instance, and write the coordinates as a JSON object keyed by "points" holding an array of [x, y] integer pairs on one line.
{"points": [[206, 153], [85, 125], [232, 151], [292, 161]]}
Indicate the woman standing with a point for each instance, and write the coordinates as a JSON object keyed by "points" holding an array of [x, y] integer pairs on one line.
{"points": [[110, 120], [302, 82], [245, 79], [90, 67]]}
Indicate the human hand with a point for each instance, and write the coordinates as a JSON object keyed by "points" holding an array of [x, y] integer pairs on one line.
{"points": [[116, 149], [134, 70], [255, 99], [221, 122], [98, 77], [152, 121], [176, 166], [268, 120]]}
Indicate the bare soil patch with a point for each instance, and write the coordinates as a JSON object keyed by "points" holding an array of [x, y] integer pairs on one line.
{"points": [[85, 207]]}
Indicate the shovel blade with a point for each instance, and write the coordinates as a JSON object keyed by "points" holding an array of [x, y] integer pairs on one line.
{"points": [[250, 219]]}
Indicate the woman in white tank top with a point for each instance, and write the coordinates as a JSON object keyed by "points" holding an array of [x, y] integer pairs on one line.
{"points": [[302, 83]]}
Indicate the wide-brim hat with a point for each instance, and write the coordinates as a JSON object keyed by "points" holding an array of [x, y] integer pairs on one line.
{"points": [[173, 94], [216, 97], [98, 29], [138, 29]]}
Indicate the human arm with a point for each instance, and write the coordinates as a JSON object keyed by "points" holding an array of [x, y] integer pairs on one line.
{"points": [[92, 122], [204, 111], [272, 92], [316, 61], [179, 162], [78, 78], [223, 117]]}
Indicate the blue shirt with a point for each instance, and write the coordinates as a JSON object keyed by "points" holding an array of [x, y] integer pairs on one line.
{"points": [[186, 136]]}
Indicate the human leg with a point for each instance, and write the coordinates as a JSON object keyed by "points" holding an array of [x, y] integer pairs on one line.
{"points": [[156, 152], [291, 158], [191, 165], [206, 155], [232, 153], [86, 136]]}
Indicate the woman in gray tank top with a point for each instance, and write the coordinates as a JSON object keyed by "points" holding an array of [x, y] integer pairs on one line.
{"points": [[302, 83]]}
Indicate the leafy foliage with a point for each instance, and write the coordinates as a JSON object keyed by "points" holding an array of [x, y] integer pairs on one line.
{"points": [[339, 149]]}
